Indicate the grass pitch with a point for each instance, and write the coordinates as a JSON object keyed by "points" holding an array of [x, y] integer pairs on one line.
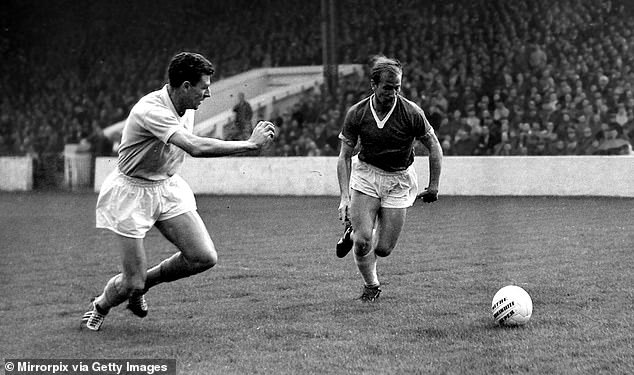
{"points": [[280, 302]]}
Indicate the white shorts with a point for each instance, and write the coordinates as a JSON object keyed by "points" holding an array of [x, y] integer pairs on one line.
{"points": [[130, 206], [394, 189]]}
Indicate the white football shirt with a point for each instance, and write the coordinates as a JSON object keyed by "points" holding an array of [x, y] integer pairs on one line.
{"points": [[145, 151]]}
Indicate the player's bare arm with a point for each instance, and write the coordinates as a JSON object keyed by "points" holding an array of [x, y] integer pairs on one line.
{"points": [[197, 146], [435, 159], [344, 166], [435, 165]]}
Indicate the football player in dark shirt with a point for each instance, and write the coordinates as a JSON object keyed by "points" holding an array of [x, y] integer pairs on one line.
{"points": [[380, 183]]}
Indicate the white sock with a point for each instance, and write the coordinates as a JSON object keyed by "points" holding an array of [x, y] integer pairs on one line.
{"points": [[367, 267]]}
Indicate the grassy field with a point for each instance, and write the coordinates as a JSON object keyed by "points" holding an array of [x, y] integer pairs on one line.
{"points": [[280, 302]]}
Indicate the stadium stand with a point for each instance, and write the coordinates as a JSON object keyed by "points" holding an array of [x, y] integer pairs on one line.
{"points": [[528, 77]]}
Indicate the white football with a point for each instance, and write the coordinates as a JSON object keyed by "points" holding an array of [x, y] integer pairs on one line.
{"points": [[511, 306]]}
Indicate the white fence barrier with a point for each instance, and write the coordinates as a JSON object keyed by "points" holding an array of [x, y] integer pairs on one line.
{"points": [[521, 176], [78, 169], [16, 173]]}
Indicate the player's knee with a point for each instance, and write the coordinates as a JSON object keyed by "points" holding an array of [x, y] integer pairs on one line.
{"points": [[383, 251], [362, 244], [204, 260], [209, 260]]}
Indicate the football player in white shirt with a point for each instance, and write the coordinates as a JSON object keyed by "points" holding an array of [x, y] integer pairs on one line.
{"points": [[145, 189]]}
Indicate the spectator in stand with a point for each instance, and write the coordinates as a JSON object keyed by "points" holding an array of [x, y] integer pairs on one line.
{"points": [[558, 148], [472, 120], [549, 135], [582, 122], [588, 144], [242, 124], [517, 146], [464, 143], [101, 145], [621, 116], [564, 123], [485, 143], [612, 144], [540, 149], [595, 122], [487, 120], [537, 58], [603, 85], [585, 65], [531, 115], [504, 147], [572, 144], [500, 111], [452, 125], [483, 105], [602, 134], [523, 134], [534, 136]]}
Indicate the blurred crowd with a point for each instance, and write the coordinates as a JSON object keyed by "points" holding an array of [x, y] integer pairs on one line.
{"points": [[494, 77], [525, 77]]}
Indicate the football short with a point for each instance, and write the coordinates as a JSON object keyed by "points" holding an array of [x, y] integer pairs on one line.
{"points": [[130, 206], [394, 189]]}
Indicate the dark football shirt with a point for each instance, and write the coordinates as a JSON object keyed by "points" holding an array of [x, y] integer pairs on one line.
{"points": [[391, 147]]}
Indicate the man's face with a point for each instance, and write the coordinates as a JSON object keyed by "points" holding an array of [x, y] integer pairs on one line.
{"points": [[571, 133], [387, 89], [199, 92]]}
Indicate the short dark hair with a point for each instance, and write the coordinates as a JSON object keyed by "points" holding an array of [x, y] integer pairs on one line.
{"points": [[381, 64], [188, 66]]}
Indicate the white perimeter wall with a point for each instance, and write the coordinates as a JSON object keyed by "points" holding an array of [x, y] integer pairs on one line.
{"points": [[561, 175], [16, 173]]}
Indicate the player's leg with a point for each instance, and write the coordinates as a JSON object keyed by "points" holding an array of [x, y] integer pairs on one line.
{"points": [[363, 180], [119, 288], [363, 213], [131, 279], [197, 252], [389, 225], [181, 224], [402, 189]]}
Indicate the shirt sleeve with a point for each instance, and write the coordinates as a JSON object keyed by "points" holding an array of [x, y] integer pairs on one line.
{"points": [[161, 123], [350, 131], [421, 124]]}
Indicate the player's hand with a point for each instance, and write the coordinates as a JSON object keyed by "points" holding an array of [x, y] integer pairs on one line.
{"points": [[429, 195], [263, 133], [344, 208]]}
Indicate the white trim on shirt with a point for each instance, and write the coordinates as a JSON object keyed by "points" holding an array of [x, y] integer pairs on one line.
{"points": [[381, 123]]}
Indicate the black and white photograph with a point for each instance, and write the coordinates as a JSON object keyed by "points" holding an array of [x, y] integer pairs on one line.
{"points": [[316, 187]]}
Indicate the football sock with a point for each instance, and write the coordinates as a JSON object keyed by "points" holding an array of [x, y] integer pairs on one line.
{"points": [[367, 268], [112, 295]]}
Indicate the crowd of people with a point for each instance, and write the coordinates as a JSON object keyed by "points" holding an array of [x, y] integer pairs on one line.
{"points": [[528, 77], [497, 78]]}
